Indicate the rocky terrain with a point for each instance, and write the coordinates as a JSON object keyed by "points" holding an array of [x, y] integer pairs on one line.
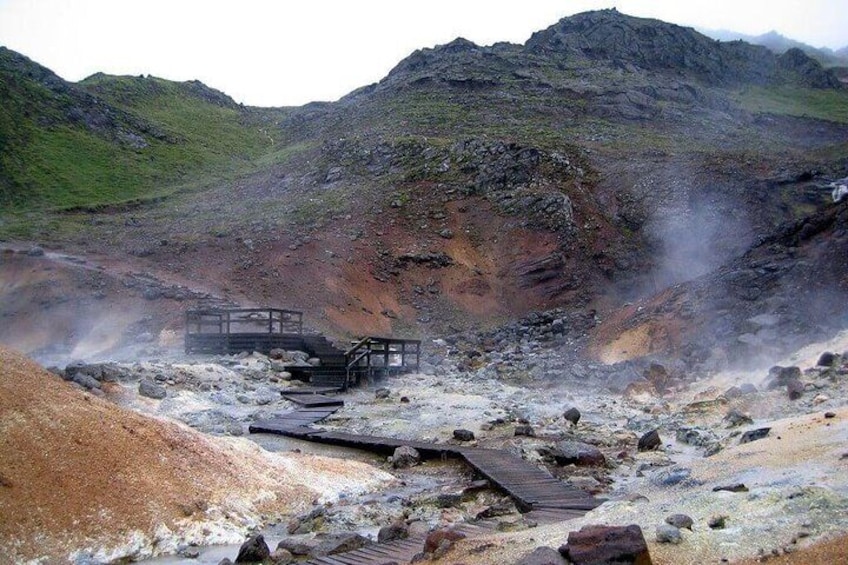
{"points": [[623, 244]]}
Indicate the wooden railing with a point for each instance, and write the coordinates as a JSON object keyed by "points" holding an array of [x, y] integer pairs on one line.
{"points": [[244, 321], [372, 354]]}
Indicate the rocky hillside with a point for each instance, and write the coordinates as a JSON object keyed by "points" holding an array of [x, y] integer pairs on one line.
{"points": [[605, 159]]}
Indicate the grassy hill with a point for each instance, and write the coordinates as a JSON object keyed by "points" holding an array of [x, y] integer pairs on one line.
{"points": [[109, 140]]}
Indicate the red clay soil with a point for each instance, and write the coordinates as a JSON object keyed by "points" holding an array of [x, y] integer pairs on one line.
{"points": [[77, 471]]}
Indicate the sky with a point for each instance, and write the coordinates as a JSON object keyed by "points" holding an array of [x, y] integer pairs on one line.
{"points": [[290, 52]]}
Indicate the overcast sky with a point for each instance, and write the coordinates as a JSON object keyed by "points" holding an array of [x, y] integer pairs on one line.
{"points": [[289, 52]]}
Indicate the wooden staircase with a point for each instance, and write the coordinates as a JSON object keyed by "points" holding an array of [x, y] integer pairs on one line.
{"points": [[332, 372]]}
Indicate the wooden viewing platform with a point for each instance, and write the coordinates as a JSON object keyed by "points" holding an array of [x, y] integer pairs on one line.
{"points": [[228, 331]]}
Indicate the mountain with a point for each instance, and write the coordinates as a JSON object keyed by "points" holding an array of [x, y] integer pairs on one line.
{"points": [[606, 159], [781, 44]]}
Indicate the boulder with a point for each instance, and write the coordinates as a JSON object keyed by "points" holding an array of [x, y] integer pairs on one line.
{"points": [[754, 435], [441, 538], [254, 550], [666, 533], [405, 456], [827, 359], [679, 521], [463, 435], [396, 530], [607, 545], [525, 430], [150, 389], [542, 556], [794, 389], [781, 376], [332, 544], [382, 393], [572, 415], [650, 441], [578, 453]]}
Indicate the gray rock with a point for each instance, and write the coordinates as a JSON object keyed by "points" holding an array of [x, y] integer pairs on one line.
{"points": [[396, 530], [679, 521], [736, 418], [86, 381], [666, 533], [332, 544], [578, 453], [794, 389], [405, 456], [150, 389], [382, 393]]}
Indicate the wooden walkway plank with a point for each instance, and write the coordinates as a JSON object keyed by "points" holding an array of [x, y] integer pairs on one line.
{"points": [[314, 400]]}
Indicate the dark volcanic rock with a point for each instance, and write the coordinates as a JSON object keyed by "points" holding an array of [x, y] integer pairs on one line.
{"points": [[578, 453], [794, 389], [754, 435], [542, 556], [827, 359], [607, 545], [572, 415], [650, 441], [151, 390], [254, 550], [525, 430], [396, 530], [781, 376], [463, 435]]}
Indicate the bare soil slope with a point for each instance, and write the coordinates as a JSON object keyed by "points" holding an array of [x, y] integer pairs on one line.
{"points": [[79, 472]]}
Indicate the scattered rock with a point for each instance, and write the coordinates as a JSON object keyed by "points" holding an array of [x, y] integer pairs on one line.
{"points": [[650, 441], [794, 389], [338, 543], [736, 418], [578, 453], [281, 557], [595, 545], [572, 415], [449, 500], [827, 359], [542, 556], [405, 457], [150, 389], [437, 539], [754, 435], [830, 415], [781, 376], [679, 521], [666, 533], [463, 435], [396, 530], [717, 522], [254, 550], [525, 430], [738, 487], [382, 393]]}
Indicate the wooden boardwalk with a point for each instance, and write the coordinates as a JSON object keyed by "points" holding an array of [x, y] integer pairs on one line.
{"points": [[539, 496]]}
